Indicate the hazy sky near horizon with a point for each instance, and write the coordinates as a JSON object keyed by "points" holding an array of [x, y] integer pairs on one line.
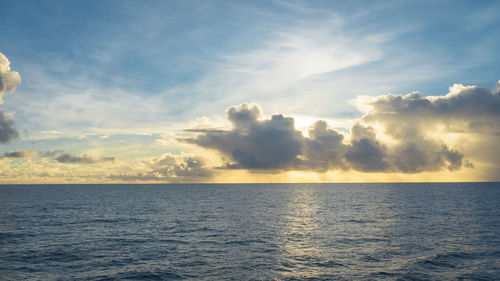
{"points": [[249, 91]]}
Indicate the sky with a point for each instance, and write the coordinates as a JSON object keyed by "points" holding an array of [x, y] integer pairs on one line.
{"points": [[249, 91]]}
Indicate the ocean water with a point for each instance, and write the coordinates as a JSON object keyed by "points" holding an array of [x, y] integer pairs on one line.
{"points": [[431, 231]]}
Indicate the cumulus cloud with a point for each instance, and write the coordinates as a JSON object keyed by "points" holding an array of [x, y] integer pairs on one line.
{"points": [[398, 133], [275, 144], [418, 125], [68, 158], [324, 149], [8, 79], [254, 143], [464, 108], [170, 168], [366, 153], [8, 83], [18, 154], [7, 130]]}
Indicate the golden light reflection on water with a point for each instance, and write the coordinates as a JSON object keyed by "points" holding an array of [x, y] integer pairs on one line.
{"points": [[300, 235]]}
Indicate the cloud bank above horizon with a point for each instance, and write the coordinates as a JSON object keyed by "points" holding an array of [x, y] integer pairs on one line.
{"points": [[398, 133], [404, 134], [312, 91]]}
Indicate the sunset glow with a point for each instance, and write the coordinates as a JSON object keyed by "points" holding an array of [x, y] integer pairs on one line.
{"points": [[248, 92]]}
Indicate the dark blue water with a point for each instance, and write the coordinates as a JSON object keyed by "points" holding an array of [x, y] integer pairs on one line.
{"points": [[257, 232]]}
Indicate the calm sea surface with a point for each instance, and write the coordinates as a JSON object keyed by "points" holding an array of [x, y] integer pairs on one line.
{"points": [[251, 232]]}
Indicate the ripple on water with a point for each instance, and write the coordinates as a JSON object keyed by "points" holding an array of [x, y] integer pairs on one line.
{"points": [[251, 232]]}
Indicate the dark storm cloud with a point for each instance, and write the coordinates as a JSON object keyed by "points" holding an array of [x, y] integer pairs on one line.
{"points": [[18, 154], [68, 158], [410, 141], [172, 169], [7, 130]]}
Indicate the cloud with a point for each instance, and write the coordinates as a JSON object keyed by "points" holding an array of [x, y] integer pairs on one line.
{"points": [[7, 130], [170, 168], [8, 79], [420, 125], [18, 154], [366, 153], [474, 107], [398, 133], [68, 158], [254, 143], [8, 82], [324, 149], [50, 153], [187, 167]]}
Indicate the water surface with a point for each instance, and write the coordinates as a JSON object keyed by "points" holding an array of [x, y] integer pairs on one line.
{"points": [[431, 231]]}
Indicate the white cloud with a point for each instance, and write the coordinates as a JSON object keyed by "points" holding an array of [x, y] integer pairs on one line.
{"points": [[8, 79]]}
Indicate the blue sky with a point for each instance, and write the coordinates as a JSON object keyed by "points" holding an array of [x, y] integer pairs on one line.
{"points": [[124, 69]]}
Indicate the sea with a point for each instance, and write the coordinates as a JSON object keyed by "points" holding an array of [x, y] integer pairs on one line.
{"points": [[383, 231]]}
